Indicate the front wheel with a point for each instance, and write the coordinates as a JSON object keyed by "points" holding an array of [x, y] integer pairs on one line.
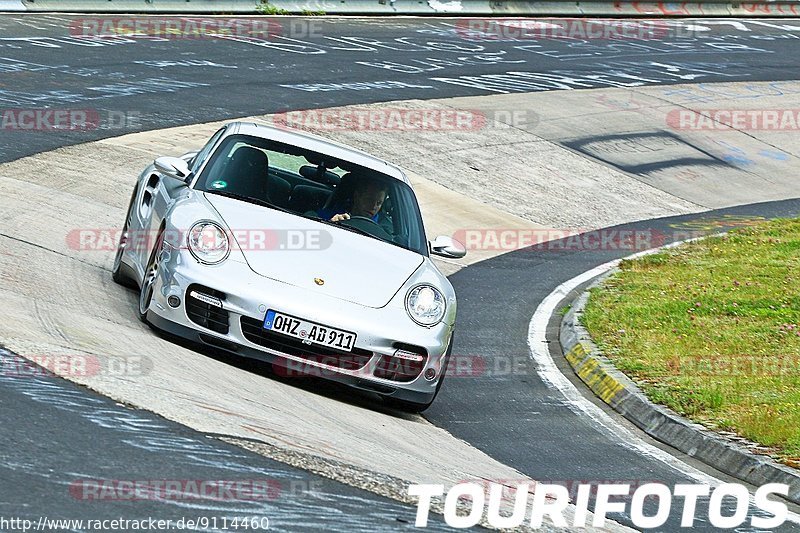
{"points": [[416, 407], [117, 273], [149, 279]]}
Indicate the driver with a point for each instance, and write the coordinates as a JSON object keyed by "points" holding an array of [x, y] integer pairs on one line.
{"points": [[368, 198]]}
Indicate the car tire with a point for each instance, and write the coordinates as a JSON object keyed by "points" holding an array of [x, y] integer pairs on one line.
{"points": [[416, 407], [117, 270], [149, 279]]}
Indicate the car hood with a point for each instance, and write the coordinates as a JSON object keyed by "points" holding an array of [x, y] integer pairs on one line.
{"points": [[304, 252]]}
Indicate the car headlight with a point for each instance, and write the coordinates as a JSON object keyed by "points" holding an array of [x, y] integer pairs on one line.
{"points": [[425, 305], [208, 243]]}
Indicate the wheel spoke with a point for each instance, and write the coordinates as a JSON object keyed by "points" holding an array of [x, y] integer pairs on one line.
{"points": [[123, 240], [146, 294]]}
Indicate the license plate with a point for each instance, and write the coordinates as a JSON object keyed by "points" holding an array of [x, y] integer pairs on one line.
{"points": [[309, 332]]}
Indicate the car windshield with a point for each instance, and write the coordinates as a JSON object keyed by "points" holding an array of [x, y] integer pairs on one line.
{"points": [[315, 186]]}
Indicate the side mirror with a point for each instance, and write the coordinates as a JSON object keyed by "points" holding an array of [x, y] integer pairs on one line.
{"points": [[445, 246], [173, 167]]}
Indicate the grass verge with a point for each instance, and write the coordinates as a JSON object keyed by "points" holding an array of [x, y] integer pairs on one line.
{"points": [[711, 329]]}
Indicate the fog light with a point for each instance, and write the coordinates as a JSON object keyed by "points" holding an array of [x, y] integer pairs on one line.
{"points": [[174, 301], [430, 374]]}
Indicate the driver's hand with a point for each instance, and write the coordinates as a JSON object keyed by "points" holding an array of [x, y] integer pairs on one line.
{"points": [[340, 217]]}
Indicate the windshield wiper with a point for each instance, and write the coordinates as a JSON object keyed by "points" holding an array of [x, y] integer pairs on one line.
{"points": [[249, 199], [359, 231]]}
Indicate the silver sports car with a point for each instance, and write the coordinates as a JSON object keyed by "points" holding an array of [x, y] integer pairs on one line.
{"points": [[289, 248]]}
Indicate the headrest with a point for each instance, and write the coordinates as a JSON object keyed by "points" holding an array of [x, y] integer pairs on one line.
{"points": [[319, 175], [251, 157]]}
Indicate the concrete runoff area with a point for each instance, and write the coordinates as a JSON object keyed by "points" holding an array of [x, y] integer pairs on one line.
{"points": [[539, 176], [673, 139]]}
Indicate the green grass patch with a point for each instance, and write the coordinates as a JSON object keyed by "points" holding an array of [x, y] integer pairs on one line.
{"points": [[711, 329], [265, 8]]}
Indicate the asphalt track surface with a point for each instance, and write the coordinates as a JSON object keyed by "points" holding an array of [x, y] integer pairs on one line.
{"points": [[155, 83]]}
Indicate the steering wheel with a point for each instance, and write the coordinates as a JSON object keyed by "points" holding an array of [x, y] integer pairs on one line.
{"points": [[367, 225]]}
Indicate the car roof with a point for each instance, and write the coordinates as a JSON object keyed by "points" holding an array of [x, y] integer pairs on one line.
{"points": [[318, 144]]}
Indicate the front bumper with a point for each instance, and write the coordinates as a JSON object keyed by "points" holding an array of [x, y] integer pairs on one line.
{"points": [[250, 295]]}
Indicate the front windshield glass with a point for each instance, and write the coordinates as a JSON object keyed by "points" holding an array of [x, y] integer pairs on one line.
{"points": [[316, 186]]}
